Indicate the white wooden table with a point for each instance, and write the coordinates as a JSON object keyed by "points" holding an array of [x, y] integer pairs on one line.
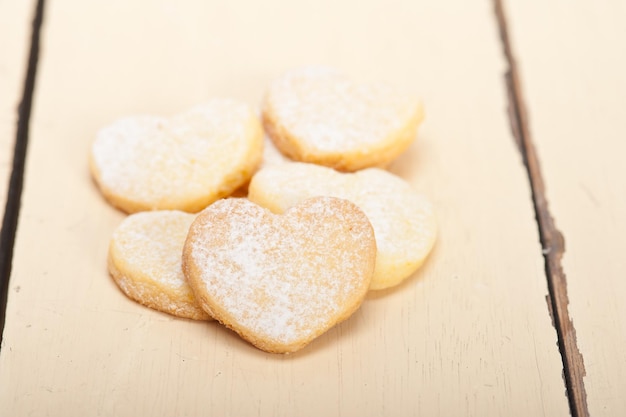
{"points": [[523, 141]]}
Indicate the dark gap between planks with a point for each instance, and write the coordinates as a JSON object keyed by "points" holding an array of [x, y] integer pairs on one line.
{"points": [[552, 242], [16, 180]]}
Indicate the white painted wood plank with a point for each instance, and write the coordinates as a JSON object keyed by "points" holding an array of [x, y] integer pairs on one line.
{"points": [[15, 28], [572, 60], [468, 335]]}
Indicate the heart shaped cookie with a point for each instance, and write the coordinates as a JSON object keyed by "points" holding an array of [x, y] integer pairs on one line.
{"points": [[280, 281], [145, 262], [403, 220], [183, 163], [316, 114]]}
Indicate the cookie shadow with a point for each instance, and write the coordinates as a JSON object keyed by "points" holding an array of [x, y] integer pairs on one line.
{"points": [[411, 163], [424, 271]]}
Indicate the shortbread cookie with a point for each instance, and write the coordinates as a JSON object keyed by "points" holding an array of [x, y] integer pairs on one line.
{"points": [[280, 280], [145, 262], [183, 163], [271, 154], [403, 220], [316, 114]]}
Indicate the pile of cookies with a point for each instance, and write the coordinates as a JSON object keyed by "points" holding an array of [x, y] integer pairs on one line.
{"points": [[318, 224]]}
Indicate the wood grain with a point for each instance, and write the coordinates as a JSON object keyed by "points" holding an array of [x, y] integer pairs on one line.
{"points": [[469, 334], [572, 62]]}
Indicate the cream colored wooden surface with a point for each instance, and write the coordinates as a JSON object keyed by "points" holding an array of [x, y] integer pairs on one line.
{"points": [[15, 28], [573, 75], [468, 335]]}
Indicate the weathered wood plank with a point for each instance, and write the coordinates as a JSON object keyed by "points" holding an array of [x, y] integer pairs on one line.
{"points": [[468, 335], [15, 31], [17, 75], [571, 60]]}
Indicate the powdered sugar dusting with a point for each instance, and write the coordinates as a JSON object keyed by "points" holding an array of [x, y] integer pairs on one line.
{"points": [[403, 220], [329, 113], [151, 245], [158, 162], [284, 278]]}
